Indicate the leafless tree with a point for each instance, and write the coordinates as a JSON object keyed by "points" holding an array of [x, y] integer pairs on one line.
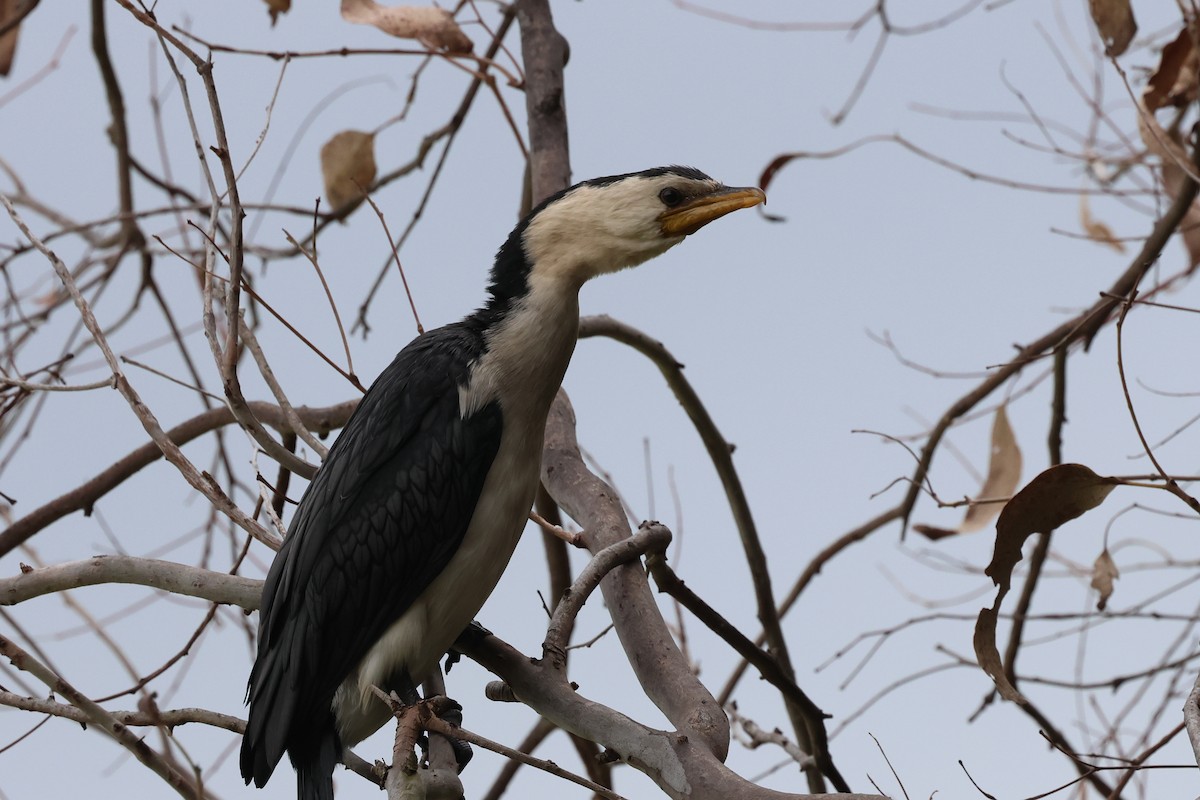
{"points": [[192, 261]]}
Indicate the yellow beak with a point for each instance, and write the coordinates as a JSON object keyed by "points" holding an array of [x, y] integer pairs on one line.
{"points": [[698, 212]]}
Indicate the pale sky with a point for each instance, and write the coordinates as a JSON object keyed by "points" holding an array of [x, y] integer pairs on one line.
{"points": [[771, 319]]}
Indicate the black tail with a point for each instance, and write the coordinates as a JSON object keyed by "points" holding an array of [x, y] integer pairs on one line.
{"points": [[314, 774], [269, 723]]}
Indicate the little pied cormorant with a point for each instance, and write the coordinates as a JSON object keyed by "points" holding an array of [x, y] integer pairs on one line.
{"points": [[407, 526]]}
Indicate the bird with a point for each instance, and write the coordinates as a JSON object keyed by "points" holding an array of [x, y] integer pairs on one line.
{"points": [[408, 524]]}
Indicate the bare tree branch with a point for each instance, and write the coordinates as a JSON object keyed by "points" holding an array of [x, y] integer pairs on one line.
{"points": [[219, 587], [101, 718], [83, 497]]}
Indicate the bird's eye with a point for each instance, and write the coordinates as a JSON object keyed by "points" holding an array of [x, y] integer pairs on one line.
{"points": [[671, 196]]}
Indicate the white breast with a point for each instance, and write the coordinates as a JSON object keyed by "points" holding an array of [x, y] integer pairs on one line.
{"points": [[522, 369], [427, 630]]}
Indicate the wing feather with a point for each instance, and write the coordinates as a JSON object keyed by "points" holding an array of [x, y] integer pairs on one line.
{"points": [[380, 520]]}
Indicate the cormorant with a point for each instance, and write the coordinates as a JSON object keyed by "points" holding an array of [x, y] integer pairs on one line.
{"points": [[407, 526]]}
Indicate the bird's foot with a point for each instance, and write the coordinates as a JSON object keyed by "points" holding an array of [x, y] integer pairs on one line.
{"points": [[450, 712], [462, 750], [573, 539]]}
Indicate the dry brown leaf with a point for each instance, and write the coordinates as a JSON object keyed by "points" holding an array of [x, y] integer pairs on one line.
{"points": [[1172, 69], [1096, 230], [1174, 82], [1114, 20], [8, 42], [1058, 495], [1104, 572], [1167, 146], [277, 7], [933, 533], [1004, 473], [988, 655], [1189, 226], [348, 168], [433, 27]]}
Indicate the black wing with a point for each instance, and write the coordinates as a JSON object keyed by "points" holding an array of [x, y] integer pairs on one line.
{"points": [[380, 520]]}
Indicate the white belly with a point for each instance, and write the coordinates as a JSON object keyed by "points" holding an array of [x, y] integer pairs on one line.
{"points": [[418, 639]]}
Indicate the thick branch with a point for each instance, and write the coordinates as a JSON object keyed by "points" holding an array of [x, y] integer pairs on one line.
{"points": [[218, 587], [660, 668], [558, 564], [680, 766], [168, 719], [651, 536], [1191, 718], [722, 457], [543, 50]]}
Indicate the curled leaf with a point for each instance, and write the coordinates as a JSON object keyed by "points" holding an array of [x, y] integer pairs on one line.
{"points": [[1096, 230], [1104, 572], [348, 168], [988, 655], [1054, 497], [1174, 82], [1114, 19], [768, 175], [1057, 496], [9, 10], [433, 27]]}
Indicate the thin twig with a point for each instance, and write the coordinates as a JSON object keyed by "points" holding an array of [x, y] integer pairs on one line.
{"points": [[170, 450], [101, 718], [395, 256], [436, 725]]}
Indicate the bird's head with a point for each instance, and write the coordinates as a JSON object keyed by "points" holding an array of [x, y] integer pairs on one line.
{"points": [[606, 224]]}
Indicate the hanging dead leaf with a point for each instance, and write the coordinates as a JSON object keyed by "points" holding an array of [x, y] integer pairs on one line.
{"points": [[1097, 231], [1174, 82], [1104, 572], [348, 167], [1114, 20], [9, 10], [1189, 226], [1057, 496], [277, 7], [1004, 472], [1176, 74], [988, 655], [433, 27]]}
